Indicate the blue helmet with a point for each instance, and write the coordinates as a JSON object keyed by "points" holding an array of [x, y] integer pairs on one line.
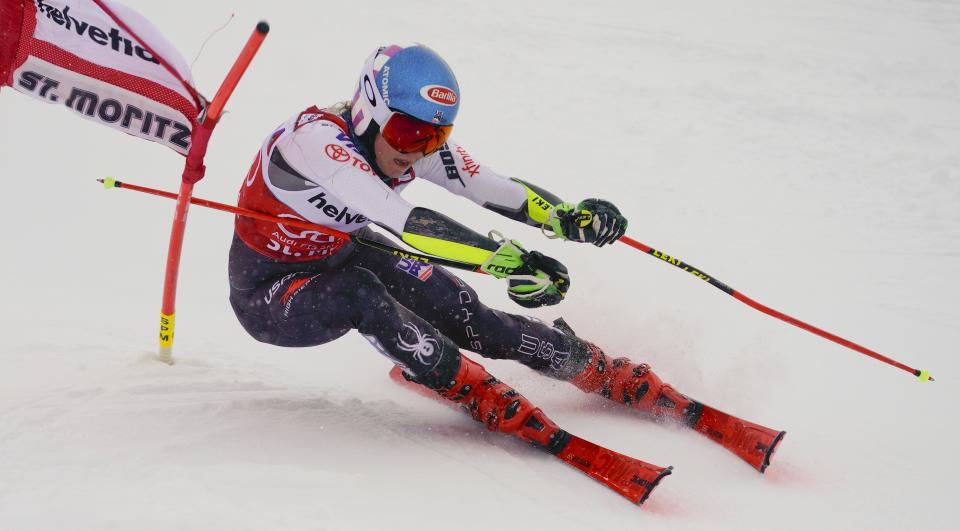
{"points": [[410, 79]]}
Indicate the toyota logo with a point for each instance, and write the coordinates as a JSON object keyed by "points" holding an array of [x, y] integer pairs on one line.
{"points": [[337, 153]]}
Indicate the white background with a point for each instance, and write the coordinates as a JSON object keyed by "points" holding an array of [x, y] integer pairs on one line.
{"points": [[806, 153]]}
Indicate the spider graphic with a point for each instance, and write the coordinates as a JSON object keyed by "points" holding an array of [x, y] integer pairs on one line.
{"points": [[423, 348]]}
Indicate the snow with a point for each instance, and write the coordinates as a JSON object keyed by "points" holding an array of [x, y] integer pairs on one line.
{"points": [[806, 153]]}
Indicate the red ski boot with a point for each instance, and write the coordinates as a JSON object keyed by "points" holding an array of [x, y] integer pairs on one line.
{"points": [[501, 408], [638, 387]]}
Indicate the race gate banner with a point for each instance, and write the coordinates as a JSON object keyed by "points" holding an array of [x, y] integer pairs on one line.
{"points": [[103, 62]]}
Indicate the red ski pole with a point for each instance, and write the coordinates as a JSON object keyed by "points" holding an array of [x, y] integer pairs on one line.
{"points": [[193, 171], [110, 182], [699, 273]]}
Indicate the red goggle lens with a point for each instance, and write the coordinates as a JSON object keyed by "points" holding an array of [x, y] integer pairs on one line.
{"points": [[407, 134]]}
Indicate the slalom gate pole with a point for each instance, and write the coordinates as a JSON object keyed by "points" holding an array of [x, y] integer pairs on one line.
{"points": [[699, 273], [109, 182], [193, 172]]}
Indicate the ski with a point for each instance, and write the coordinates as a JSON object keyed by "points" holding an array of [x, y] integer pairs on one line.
{"points": [[638, 387], [751, 442], [631, 478]]}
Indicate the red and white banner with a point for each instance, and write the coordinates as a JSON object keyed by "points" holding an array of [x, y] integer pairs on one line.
{"points": [[102, 61]]}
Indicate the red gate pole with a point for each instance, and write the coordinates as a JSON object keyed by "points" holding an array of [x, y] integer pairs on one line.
{"points": [[193, 171]]}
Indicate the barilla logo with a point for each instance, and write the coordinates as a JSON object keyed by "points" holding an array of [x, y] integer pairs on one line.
{"points": [[439, 94]]}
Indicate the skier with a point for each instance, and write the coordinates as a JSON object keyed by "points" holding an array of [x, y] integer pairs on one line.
{"points": [[344, 167]]}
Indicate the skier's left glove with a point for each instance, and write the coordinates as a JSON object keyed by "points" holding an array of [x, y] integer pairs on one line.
{"points": [[592, 221], [534, 278]]}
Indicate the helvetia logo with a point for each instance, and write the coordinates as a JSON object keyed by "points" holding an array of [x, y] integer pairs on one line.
{"points": [[439, 94], [111, 39]]}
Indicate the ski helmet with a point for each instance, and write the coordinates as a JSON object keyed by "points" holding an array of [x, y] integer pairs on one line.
{"points": [[412, 80]]}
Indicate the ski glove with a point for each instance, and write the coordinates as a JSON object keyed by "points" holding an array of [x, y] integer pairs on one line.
{"points": [[592, 221], [534, 279]]}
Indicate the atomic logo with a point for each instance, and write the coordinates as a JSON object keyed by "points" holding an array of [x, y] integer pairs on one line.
{"points": [[337, 153]]}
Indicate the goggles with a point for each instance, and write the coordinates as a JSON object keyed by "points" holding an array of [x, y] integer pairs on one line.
{"points": [[407, 134]]}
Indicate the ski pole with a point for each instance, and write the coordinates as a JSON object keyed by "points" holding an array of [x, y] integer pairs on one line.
{"points": [[110, 182], [699, 273], [193, 172]]}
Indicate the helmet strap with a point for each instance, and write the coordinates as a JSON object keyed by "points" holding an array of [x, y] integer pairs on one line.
{"points": [[364, 143]]}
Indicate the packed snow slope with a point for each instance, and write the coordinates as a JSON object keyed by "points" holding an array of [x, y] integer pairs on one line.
{"points": [[807, 153]]}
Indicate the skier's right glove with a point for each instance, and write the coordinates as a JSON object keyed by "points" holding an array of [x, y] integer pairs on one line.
{"points": [[534, 279], [592, 221]]}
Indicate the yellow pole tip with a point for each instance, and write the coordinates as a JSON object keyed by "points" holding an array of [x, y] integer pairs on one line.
{"points": [[109, 182], [924, 376]]}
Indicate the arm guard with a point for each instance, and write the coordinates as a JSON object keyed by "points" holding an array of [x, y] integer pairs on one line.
{"points": [[436, 234], [534, 210]]}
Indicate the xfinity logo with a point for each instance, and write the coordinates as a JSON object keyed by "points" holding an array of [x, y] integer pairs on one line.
{"points": [[111, 38], [339, 215]]}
